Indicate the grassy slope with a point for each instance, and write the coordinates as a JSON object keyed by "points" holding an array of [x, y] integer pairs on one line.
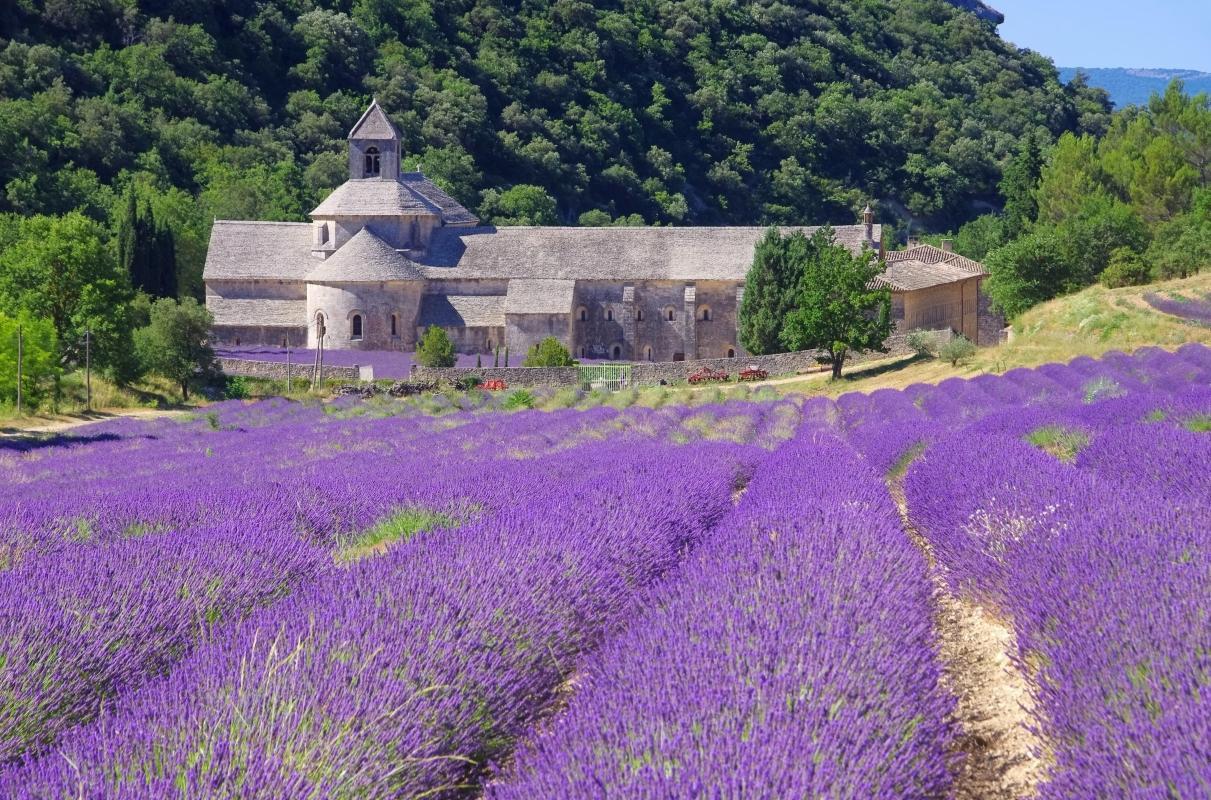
{"points": [[1088, 323]]}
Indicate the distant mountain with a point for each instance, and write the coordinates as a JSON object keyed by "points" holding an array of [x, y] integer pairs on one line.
{"points": [[1135, 86], [981, 10]]}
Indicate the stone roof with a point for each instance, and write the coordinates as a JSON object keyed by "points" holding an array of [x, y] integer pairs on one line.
{"points": [[453, 212], [540, 296], [365, 259], [614, 253], [243, 250], [909, 274], [374, 124], [261, 311], [462, 310], [375, 197]]}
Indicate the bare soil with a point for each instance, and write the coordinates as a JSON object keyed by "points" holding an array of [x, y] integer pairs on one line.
{"points": [[1000, 754], [63, 422]]}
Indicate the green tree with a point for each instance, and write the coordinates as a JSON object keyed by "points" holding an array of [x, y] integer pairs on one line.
{"points": [[550, 352], [1018, 185], [982, 235], [435, 349], [836, 308], [39, 358], [61, 269], [518, 205], [1027, 271], [771, 287], [175, 343]]}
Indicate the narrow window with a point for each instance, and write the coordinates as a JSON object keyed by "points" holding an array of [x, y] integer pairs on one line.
{"points": [[394, 326], [283, 342], [670, 315], [731, 353], [647, 353], [584, 314], [706, 315], [609, 315], [617, 352], [237, 341], [582, 352], [372, 162], [357, 326], [639, 315]]}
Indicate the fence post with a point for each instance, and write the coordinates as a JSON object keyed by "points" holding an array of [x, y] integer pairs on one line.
{"points": [[20, 354], [88, 371]]}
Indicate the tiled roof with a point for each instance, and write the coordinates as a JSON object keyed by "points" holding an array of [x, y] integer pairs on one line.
{"points": [[929, 254], [242, 250], [530, 296], [365, 258], [620, 253], [462, 311], [375, 197], [909, 274], [374, 124]]}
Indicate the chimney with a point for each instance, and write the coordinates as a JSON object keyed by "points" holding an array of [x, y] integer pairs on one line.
{"points": [[913, 241], [948, 245], [868, 219]]}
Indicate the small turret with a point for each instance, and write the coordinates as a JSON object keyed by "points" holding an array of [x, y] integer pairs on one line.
{"points": [[374, 146]]}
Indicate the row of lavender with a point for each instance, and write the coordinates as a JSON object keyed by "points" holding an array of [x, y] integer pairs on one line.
{"points": [[404, 674], [1104, 566], [792, 657]]}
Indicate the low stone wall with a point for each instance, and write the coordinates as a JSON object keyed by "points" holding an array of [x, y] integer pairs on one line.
{"points": [[274, 370], [513, 376]]}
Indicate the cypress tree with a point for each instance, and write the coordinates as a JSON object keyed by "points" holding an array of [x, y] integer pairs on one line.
{"points": [[770, 290], [164, 262], [127, 234]]}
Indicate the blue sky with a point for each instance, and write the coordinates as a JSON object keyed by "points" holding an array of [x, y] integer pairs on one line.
{"points": [[1112, 33]]}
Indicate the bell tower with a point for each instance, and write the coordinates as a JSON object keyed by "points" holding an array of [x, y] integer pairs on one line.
{"points": [[374, 146]]}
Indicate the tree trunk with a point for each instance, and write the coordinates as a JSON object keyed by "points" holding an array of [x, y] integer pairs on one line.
{"points": [[184, 391], [837, 368]]}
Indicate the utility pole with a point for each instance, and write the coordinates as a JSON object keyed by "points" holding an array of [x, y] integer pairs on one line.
{"points": [[88, 371], [20, 354]]}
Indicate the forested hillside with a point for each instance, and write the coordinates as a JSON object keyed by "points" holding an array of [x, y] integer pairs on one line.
{"points": [[665, 111]]}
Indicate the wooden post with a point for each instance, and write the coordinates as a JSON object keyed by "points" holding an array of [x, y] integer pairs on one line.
{"points": [[88, 371], [287, 363], [20, 354]]}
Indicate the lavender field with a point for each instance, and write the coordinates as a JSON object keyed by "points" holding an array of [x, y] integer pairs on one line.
{"points": [[740, 600]]}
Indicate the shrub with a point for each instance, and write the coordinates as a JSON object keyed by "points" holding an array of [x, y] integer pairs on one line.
{"points": [[922, 343], [435, 349], [960, 348], [520, 398], [549, 353], [1126, 268], [468, 383], [236, 388]]}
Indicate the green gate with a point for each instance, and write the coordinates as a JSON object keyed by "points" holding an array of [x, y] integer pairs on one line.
{"points": [[608, 377]]}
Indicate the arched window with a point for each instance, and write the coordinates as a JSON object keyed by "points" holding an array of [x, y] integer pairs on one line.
{"points": [[583, 313], [394, 325], [669, 314], [639, 314], [647, 353], [283, 342], [373, 167], [609, 315], [357, 326], [321, 327], [617, 352], [582, 352], [731, 353], [705, 314]]}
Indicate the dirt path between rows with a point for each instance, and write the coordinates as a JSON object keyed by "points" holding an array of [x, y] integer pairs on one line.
{"points": [[994, 701]]}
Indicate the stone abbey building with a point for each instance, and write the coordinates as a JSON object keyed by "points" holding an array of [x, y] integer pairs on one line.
{"points": [[388, 254]]}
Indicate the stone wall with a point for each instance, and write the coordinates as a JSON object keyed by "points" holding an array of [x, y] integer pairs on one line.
{"points": [[645, 374], [513, 376], [274, 370], [991, 328]]}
